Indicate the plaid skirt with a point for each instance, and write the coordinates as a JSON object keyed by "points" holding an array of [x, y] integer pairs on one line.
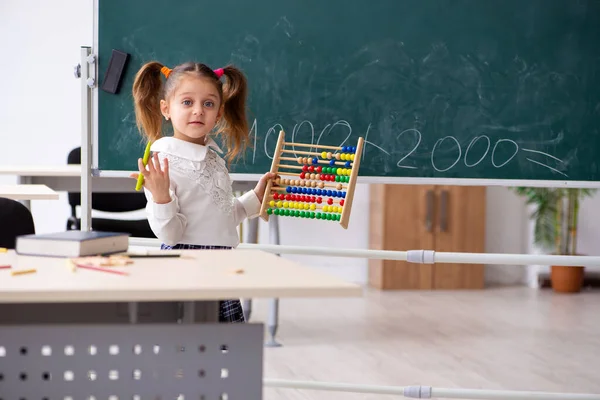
{"points": [[229, 310]]}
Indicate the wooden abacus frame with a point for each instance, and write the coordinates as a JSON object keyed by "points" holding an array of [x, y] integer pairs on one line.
{"points": [[276, 168]]}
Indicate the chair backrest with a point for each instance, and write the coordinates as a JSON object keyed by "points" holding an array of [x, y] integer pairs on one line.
{"points": [[108, 202], [15, 220]]}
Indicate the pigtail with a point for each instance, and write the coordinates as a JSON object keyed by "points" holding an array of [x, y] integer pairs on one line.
{"points": [[235, 123], [147, 89]]}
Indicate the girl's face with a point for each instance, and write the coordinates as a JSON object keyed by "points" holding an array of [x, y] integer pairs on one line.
{"points": [[194, 108]]}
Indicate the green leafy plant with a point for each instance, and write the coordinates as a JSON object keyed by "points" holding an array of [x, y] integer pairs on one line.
{"points": [[555, 216]]}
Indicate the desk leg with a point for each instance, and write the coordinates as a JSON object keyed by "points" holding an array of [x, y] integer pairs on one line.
{"points": [[273, 318], [25, 180], [252, 238]]}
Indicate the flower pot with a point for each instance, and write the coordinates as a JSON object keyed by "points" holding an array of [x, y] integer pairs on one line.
{"points": [[566, 279]]}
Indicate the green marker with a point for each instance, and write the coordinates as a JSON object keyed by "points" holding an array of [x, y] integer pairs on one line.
{"points": [[140, 179]]}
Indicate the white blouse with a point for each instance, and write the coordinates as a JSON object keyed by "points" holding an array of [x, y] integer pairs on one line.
{"points": [[203, 210]]}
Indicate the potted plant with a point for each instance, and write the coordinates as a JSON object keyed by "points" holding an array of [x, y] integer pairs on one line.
{"points": [[555, 217]]}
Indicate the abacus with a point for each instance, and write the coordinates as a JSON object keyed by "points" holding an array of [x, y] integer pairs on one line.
{"points": [[325, 187]]}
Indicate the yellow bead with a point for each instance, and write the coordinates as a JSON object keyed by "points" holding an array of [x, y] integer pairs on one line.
{"points": [[285, 204], [325, 208], [343, 157], [351, 157], [306, 206], [313, 207], [272, 203], [279, 204], [340, 209], [324, 154], [296, 205], [339, 171], [347, 171]]}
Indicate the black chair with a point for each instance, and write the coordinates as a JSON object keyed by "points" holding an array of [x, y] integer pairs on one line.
{"points": [[15, 220], [109, 202]]}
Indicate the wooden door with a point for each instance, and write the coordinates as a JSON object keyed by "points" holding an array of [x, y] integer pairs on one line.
{"points": [[459, 227], [402, 218]]}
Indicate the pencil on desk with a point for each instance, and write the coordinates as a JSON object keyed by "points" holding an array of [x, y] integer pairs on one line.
{"points": [[23, 272], [91, 267]]}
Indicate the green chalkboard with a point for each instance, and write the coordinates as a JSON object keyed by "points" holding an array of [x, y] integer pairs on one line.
{"points": [[446, 89]]}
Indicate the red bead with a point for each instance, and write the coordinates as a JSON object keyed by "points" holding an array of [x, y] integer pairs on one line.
{"points": [[330, 201], [319, 169], [313, 199], [294, 197], [322, 177], [302, 175], [319, 200], [288, 197], [331, 177], [342, 202], [311, 168], [276, 196], [305, 168]]}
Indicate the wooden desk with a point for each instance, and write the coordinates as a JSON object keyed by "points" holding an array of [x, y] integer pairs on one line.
{"points": [[56, 317], [28, 192], [196, 275]]}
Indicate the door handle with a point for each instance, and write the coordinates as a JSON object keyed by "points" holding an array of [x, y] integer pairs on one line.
{"points": [[444, 211], [429, 211]]}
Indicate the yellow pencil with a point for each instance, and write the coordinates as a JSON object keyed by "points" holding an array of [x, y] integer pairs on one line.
{"points": [[23, 271], [140, 180]]}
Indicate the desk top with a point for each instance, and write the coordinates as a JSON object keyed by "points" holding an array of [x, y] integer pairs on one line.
{"points": [[41, 170], [196, 275], [28, 192]]}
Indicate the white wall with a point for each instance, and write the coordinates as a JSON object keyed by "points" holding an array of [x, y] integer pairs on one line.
{"points": [[39, 110]]}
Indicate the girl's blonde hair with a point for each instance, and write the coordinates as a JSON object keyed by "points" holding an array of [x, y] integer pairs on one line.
{"points": [[148, 90]]}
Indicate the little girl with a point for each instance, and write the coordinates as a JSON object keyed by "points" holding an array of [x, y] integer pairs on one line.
{"points": [[187, 184]]}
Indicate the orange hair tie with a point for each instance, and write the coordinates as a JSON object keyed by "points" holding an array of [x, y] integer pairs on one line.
{"points": [[165, 71]]}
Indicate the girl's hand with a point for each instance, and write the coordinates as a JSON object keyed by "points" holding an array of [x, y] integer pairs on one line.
{"points": [[156, 180], [262, 184]]}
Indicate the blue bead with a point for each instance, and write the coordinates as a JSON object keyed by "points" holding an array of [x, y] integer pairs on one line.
{"points": [[305, 190], [294, 190], [347, 165], [320, 192], [329, 193], [315, 160], [344, 195], [334, 194], [332, 162], [288, 189]]}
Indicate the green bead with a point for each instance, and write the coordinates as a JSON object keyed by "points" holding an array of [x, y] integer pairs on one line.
{"points": [[338, 217], [337, 178], [302, 214], [287, 213], [318, 215], [270, 211], [297, 213], [312, 215]]}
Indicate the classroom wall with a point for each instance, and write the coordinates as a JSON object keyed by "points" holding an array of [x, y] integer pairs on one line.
{"points": [[40, 114]]}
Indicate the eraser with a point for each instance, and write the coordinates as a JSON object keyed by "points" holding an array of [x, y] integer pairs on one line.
{"points": [[114, 72]]}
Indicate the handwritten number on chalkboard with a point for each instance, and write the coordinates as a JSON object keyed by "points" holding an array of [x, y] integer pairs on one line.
{"points": [[412, 151]]}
